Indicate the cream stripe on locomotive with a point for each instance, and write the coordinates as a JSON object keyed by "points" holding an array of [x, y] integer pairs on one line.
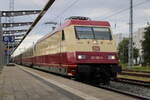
{"points": [[54, 45]]}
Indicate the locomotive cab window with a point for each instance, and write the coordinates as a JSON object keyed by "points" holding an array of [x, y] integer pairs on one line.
{"points": [[84, 32], [63, 35], [99, 33], [102, 33]]}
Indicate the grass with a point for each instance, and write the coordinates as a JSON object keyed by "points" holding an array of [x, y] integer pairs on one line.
{"points": [[146, 69], [136, 68], [134, 77], [124, 66]]}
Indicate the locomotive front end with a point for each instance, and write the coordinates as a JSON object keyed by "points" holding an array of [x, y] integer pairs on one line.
{"points": [[94, 50]]}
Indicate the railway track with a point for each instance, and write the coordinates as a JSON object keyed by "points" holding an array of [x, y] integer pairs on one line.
{"points": [[135, 74], [134, 82], [130, 87], [136, 71], [124, 92]]}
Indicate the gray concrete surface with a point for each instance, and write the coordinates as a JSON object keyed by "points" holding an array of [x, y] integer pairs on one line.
{"points": [[15, 84], [83, 90]]}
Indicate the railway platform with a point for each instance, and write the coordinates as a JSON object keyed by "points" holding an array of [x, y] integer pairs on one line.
{"points": [[22, 83]]}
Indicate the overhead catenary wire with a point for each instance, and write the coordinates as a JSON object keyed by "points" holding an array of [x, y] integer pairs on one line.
{"points": [[111, 15], [40, 16], [63, 13], [66, 9], [42, 13], [123, 10]]}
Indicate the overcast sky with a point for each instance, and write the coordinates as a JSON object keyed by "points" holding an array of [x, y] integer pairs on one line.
{"points": [[114, 11]]}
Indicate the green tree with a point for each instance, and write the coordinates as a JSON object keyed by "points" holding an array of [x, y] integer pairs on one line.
{"points": [[123, 51], [146, 47], [136, 54]]}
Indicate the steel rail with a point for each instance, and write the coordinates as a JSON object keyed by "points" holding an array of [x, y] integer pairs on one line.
{"points": [[124, 92], [134, 82], [136, 71], [135, 74]]}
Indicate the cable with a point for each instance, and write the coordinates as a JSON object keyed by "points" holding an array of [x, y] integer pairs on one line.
{"points": [[123, 10], [66, 9], [42, 13]]}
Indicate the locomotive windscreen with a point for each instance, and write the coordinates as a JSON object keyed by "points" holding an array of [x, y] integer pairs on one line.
{"points": [[100, 33]]}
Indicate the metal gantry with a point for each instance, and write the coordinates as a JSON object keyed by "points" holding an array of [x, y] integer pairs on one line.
{"points": [[42, 13], [19, 13], [7, 25], [11, 32], [8, 30]]}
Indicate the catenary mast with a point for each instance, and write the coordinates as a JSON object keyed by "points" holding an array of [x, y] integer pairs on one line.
{"points": [[130, 50]]}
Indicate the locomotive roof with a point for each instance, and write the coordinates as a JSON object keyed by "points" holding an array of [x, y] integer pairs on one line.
{"points": [[76, 22], [87, 22]]}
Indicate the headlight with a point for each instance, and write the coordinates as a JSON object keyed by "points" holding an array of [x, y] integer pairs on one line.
{"points": [[112, 57], [81, 56]]}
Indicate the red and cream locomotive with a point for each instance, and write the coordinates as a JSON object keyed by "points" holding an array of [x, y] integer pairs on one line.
{"points": [[80, 48]]}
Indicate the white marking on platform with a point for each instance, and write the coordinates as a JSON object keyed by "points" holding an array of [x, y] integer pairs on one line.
{"points": [[69, 89]]}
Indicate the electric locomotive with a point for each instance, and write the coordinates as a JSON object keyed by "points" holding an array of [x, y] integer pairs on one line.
{"points": [[80, 48]]}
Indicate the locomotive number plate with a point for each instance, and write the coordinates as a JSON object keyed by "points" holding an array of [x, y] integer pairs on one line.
{"points": [[96, 48]]}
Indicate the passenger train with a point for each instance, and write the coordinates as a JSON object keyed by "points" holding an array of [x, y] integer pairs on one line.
{"points": [[80, 48]]}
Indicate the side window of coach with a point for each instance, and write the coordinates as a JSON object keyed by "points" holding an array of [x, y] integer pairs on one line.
{"points": [[63, 35]]}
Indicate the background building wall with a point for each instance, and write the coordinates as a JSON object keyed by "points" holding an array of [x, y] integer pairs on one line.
{"points": [[118, 38], [137, 39]]}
